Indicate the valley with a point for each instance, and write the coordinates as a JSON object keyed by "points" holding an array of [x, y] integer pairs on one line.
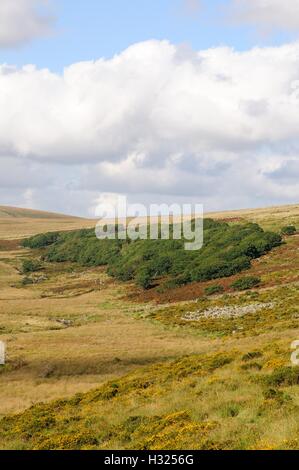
{"points": [[93, 362]]}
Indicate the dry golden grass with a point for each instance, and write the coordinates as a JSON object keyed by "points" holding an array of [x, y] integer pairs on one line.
{"points": [[269, 218], [208, 401], [74, 330], [18, 223], [49, 359]]}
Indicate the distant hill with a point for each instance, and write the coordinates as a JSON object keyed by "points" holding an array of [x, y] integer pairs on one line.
{"points": [[16, 223], [7, 211], [269, 217]]}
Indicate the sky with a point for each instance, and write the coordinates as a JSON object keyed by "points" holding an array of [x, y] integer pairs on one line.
{"points": [[173, 101]]}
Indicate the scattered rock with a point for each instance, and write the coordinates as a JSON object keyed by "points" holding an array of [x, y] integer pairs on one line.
{"points": [[226, 312]]}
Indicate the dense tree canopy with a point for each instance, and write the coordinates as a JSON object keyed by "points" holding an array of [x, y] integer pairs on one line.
{"points": [[227, 250]]}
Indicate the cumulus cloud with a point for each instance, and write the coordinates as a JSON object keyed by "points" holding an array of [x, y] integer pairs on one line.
{"points": [[267, 14], [159, 119], [22, 20]]}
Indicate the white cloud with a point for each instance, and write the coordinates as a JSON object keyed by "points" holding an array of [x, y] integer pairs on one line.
{"points": [[22, 20], [267, 14], [216, 125]]}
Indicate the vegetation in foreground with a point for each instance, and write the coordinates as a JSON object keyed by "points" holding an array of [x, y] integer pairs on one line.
{"points": [[216, 401]]}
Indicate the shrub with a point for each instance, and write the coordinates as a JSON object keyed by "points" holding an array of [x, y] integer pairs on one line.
{"points": [[216, 289], [289, 230], [41, 241], [252, 355], [251, 366], [30, 266], [144, 279], [227, 250], [246, 283], [283, 376], [276, 395], [26, 281]]}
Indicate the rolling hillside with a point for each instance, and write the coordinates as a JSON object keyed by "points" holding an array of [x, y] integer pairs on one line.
{"points": [[16, 223], [272, 218], [17, 212], [197, 367]]}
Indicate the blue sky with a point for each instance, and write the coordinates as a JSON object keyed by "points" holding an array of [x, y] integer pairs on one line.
{"points": [[90, 29], [193, 101]]}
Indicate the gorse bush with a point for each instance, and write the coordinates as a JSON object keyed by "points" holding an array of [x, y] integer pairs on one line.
{"points": [[227, 250], [283, 376]]}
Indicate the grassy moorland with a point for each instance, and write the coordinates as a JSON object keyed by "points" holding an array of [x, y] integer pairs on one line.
{"points": [[202, 365], [16, 223]]}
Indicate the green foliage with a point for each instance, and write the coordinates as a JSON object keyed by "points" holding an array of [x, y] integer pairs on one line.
{"points": [[276, 395], [30, 266], [283, 376], [227, 250], [174, 283], [144, 278], [252, 366], [246, 283], [289, 230], [26, 281], [42, 240], [216, 289]]}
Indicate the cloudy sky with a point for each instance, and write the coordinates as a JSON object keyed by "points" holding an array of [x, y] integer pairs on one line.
{"points": [[169, 101]]}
